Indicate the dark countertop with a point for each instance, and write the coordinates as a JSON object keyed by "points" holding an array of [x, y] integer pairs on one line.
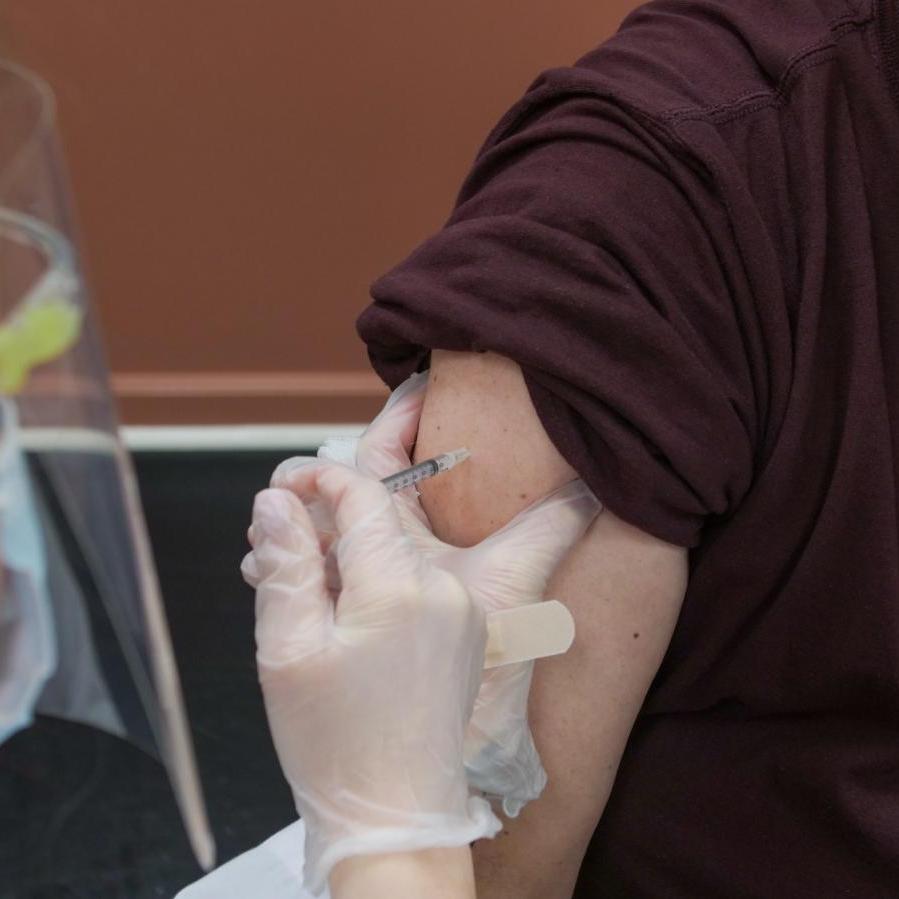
{"points": [[86, 815]]}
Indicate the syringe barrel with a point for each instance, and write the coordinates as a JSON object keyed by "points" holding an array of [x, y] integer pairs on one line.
{"points": [[412, 475]]}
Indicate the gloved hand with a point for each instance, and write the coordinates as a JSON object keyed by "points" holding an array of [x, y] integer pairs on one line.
{"points": [[509, 568], [367, 693]]}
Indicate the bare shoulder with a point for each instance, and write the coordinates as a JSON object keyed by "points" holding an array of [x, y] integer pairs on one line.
{"points": [[480, 401]]}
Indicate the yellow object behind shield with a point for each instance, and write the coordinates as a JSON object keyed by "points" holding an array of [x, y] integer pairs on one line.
{"points": [[35, 335]]}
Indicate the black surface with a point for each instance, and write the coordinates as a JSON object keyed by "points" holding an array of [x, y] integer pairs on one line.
{"points": [[86, 815]]}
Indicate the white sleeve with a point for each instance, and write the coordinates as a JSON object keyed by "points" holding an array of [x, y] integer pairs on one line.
{"points": [[273, 870]]}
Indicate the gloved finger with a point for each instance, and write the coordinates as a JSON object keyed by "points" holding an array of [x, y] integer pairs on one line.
{"points": [[292, 603], [282, 473], [249, 570], [566, 512], [522, 555], [326, 535], [386, 445], [373, 554], [321, 516], [339, 449]]}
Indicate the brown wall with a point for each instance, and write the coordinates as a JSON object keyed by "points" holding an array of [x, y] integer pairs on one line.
{"points": [[243, 170]]}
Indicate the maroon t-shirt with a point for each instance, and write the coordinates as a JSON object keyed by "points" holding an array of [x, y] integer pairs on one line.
{"points": [[689, 241]]}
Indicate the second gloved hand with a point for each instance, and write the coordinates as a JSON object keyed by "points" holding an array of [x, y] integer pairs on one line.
{"points": [[509, 568]]}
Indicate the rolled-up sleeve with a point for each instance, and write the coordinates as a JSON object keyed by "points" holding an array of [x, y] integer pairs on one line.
{"points": [[587, 249]]}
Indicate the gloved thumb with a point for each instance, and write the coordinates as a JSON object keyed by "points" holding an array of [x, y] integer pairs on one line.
{"points": [[386, 445]]}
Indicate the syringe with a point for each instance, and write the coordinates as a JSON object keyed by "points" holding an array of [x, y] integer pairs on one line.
{"points": [[427, 469]]}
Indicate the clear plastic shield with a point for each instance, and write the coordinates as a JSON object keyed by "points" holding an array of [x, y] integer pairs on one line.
{"points": [[113, 665]]}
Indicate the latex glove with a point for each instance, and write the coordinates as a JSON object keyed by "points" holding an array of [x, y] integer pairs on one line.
{"points": [[367, 693], [383, 449], [509, 568]]}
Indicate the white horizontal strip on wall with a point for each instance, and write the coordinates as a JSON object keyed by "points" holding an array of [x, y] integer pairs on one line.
{"points": [[240, 384], [187, 438], [68, 439], [175, 438]]}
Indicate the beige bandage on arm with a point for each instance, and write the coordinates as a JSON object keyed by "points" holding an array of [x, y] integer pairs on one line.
{"points": [[528, 632]]}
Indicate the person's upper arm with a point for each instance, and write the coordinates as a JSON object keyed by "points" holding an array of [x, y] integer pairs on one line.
{"points": [[623, 586], [591, 247]]}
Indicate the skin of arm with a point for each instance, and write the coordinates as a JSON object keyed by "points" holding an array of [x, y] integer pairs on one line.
{"points": [[435, 873], [623, 586]]}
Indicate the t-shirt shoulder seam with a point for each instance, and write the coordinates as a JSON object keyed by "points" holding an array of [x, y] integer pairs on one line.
{"points": [[577, 86], [808, 58], [667, 121]]}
